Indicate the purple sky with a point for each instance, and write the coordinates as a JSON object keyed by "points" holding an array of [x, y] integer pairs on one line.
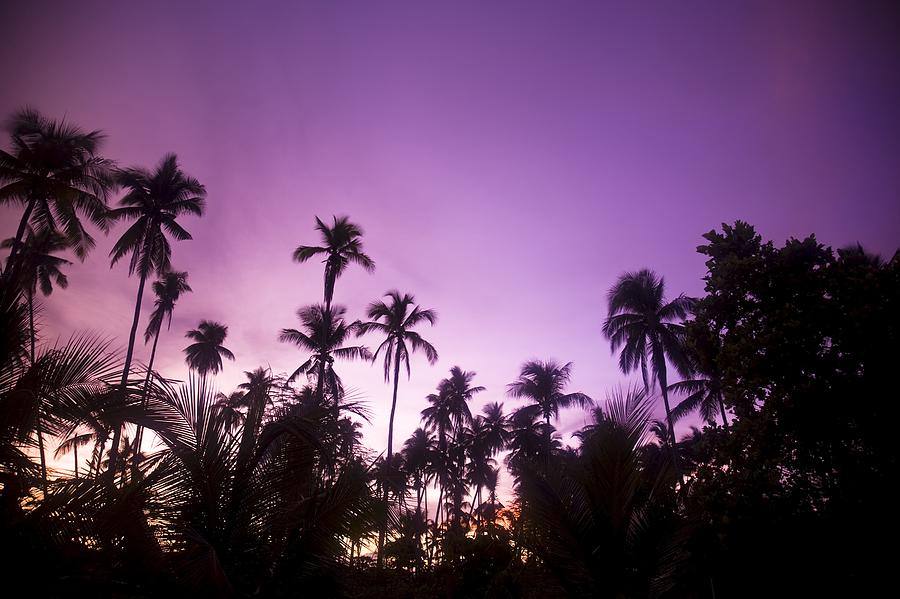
{"points": [[506, 160]]}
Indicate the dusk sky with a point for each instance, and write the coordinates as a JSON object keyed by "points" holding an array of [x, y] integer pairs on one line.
{"points": [[507, 161]]}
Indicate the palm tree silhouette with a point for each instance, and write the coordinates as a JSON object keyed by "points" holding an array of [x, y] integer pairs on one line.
{"points": [[40, 268], [168, 290], [648, 329], [324, 333], [53, 170], [544, 383], [342, 245], [206, 353], [154, 200], [395, 320]]}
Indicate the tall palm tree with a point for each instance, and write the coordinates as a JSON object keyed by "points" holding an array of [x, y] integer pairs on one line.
{"points": [[650, 332], [153, 200], [168, 290], [40, 268], [324, 333], [206, 353], [395, 320], [54, 171], [342, 244], [544, 383]]}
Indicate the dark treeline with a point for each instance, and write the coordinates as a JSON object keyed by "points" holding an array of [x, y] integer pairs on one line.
{"points": [[166, 488]]}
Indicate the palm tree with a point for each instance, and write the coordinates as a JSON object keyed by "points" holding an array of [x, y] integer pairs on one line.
{"points": [[544, 384], [206, 353], [324, 333], [342, 245], [40, 268], [704, 395], [395, 320], [154, 200], [649, 331], [53, 170], [168, 290]]}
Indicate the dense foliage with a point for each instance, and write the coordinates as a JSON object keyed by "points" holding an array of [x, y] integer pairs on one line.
{"points": [[160, 487]]}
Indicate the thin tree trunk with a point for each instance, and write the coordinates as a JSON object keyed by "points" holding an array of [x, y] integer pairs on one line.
{"points": [[117, 435], [12, 262], [76, 460], [722, 409], [387, 462], [139, 435], [665, 394], [40, 434]]}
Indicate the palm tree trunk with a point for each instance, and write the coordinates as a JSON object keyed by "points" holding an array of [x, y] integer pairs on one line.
{"points": [[76, 460], [387, 461], [665, 394], [40, 434], [12, 264], [722, 409], [117, 435], [139, 435]]}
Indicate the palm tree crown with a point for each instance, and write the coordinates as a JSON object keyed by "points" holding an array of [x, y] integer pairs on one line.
{"points": [[53, 170], [206, 353], [645, 326], [154, 200], [40, 268], [168, 290], [544, 384], [341, 246], [324, 333], [396, 320]]}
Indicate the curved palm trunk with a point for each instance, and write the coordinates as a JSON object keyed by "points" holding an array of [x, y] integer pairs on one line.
{"points": [[139, 435], [117, 435], [12, 262], [387, 461]]}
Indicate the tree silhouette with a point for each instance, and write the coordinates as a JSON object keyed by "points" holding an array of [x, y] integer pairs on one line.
{"points": [[395, 321], [650, 333], [206, 353], [544, 383], [54, 171], [342, 244], [168, 290], [324, 333], [153, 200]]}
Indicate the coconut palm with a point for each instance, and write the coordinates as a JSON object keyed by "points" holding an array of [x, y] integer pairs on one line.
{"points": [[650, 332], [342, 244], [168, 290], [544, 383], [703, 395], [153, 200], [206, 353], [395, 320], [40, 267], [52, 169], [324, 333]]}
